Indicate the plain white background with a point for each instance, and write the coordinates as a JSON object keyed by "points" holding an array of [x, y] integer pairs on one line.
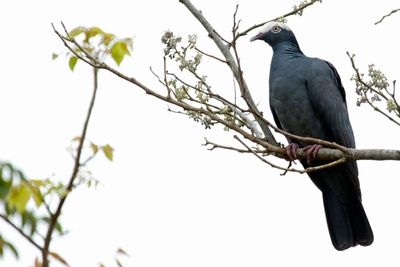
{"points": [[165, 199]]}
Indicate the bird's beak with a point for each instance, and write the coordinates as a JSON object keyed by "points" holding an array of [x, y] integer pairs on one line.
{"points": [[256, 37]]}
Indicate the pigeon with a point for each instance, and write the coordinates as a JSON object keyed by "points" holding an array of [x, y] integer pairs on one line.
{"points": [[307, 98]]}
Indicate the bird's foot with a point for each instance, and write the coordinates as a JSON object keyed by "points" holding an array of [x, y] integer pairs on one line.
{"points": [[311, 151], [291, 151]]}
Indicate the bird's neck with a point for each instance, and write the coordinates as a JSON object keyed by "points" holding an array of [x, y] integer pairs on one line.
{"points": [[284, 52], [287, 49]]}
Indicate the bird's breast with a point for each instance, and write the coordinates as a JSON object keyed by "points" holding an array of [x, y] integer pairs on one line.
{"points": [[290, 101]]}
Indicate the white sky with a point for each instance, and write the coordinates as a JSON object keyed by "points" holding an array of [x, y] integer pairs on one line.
{"points": [[165, 199]]}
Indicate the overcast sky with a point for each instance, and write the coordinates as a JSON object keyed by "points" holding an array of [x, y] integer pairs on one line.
{"points": [[165, 199]]}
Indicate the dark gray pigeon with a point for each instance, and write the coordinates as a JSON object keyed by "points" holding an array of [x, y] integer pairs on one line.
{"points": [[307, 98]]}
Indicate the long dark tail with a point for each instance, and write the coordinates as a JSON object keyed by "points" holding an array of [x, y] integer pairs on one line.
{"points": [[347, 222]]}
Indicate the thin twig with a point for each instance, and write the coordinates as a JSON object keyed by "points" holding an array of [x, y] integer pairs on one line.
{"points": [[387, 15], [294, 12], [165, 78], [263, 159], [27, 237], [216, 146], [77, 164], [211, 56]]}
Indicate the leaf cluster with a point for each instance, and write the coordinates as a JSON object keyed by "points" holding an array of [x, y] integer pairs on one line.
{"points": [[22, 203], [99, 44]]}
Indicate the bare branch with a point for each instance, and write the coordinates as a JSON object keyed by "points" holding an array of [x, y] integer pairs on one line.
{"points": [[77, 163], [209, 55], [27, 237], [387, 15], [264, 160], [213, 146], [291, 13]]}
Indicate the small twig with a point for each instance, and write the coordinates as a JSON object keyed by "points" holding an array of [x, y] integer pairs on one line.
{"points": [[324, 166], [77, 163], [211, 56], [27, 237], [165, 78], [245, 32], [263, 159], [387, 15], [216, 146]]}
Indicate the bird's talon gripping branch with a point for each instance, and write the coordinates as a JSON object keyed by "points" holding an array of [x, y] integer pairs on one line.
{"points": [[291, 151], [311, 151]]}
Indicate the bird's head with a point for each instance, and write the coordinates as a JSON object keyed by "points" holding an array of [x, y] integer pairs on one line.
{"points": [[275, 33]]}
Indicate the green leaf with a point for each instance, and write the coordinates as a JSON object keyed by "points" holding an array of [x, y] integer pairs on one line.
{"points": [[118, 51], [76, 31], [12, 248], [108, 38], [19, 196], [72, 62], [37, 196], [108, 151], [54, 56], [94, 147], [91, 32]]}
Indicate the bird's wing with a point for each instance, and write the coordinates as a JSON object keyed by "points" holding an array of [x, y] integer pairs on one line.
{"points": [[328, 99]]}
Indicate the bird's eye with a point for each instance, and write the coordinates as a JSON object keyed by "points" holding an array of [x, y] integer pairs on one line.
{"points": [[276, 29]]}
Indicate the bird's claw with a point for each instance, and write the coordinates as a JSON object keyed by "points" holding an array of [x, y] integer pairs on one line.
{"points": [[311, 151], [291, 151]]}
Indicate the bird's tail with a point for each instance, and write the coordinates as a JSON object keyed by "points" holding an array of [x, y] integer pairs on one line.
{"points": [[347, 222]]}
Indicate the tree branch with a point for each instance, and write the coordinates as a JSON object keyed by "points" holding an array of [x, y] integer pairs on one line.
{"points": [[387, 15], [27, 237], [291, 13], [77, 164], [306, 170]]}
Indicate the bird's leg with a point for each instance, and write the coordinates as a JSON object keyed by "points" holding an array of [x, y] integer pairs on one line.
{"points": [[291, 151], [311, 151]]}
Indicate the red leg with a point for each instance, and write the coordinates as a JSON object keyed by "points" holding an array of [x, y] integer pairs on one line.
{"points": [[291, 151], [311, 151]]}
